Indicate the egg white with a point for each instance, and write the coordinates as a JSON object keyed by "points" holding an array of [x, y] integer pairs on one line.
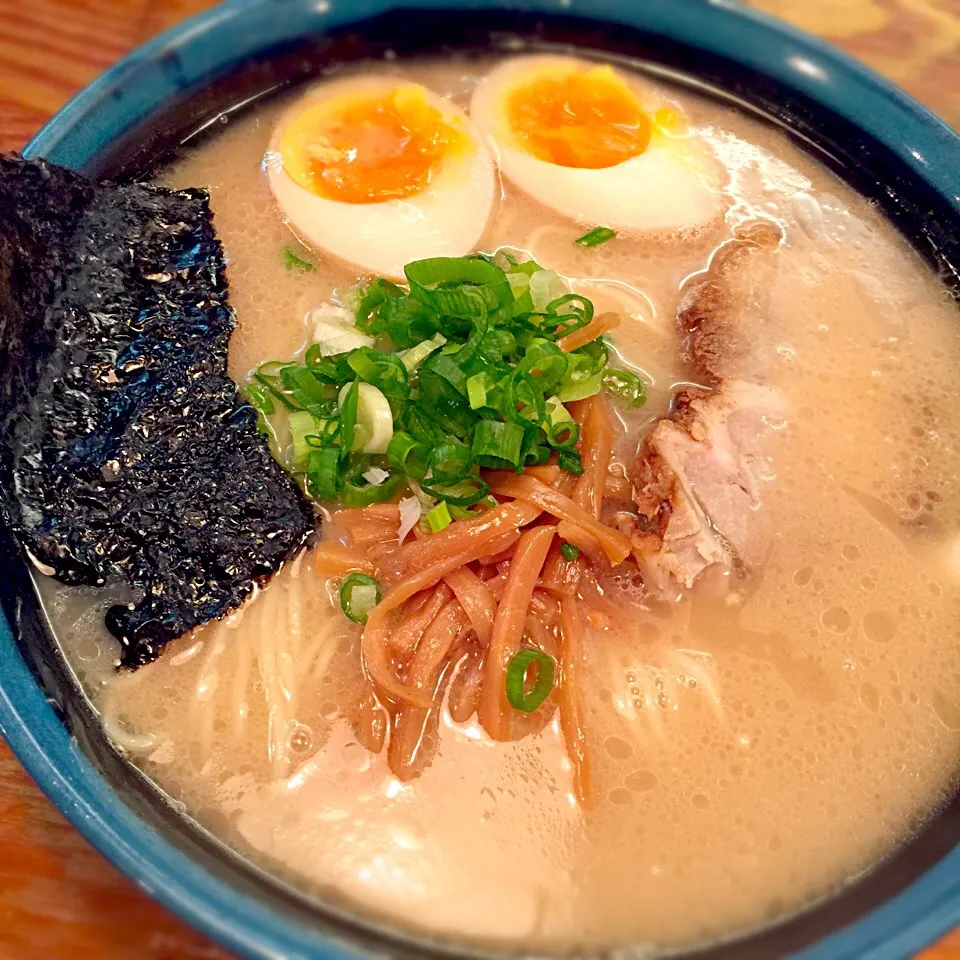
{"points": [[675, 185], [447, 219]]}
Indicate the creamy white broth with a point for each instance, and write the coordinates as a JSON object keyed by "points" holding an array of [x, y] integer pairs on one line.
{"points": [[753, 747]]}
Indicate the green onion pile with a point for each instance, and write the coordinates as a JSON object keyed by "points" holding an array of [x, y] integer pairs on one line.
{"points": [[459, 373]]}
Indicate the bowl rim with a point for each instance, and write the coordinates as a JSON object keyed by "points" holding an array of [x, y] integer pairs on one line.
{"points": [[214, 40]]}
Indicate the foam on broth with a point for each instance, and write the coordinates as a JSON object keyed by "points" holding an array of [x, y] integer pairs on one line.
{"points": [[750, 752]]}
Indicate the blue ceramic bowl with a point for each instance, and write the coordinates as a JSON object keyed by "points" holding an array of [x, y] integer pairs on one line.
{"points": [[876, 137]]}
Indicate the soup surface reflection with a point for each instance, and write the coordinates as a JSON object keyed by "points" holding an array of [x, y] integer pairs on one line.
{"points": [[755, 740]]}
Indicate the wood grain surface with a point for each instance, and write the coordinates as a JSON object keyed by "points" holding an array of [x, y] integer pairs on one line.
{"points": [[59, 900]]}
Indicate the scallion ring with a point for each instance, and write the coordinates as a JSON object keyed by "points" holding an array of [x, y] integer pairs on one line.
{"points": [[408, 455], [323, 473], [260, 399], [385, 371], [358, 492], [569, 552], [570, 461], [439, 517], [596, 236], [523, 400], [359, 594], [520, 698], [467, 492], [449, 463], [626, 386]]}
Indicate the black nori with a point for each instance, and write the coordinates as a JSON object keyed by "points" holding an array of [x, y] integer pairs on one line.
{"points": [[127, 450]]}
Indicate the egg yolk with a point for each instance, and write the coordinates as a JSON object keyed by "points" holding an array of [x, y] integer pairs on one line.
{"points": [[578, 118], [369, 148]]}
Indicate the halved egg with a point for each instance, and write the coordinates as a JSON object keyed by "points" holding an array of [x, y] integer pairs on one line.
{"points": [[596, 146], [379, 172]]}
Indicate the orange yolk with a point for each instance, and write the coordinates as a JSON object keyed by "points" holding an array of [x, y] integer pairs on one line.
{"points": [[371, 147], [578, 118]]}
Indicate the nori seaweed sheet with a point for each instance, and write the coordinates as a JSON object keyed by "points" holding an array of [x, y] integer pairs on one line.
{"points": [[127, 451]]}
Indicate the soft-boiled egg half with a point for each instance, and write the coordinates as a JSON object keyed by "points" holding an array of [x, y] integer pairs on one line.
{"points": [[595, 146], [379, 172]]}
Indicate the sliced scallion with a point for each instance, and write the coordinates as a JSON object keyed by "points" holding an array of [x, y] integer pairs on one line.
{"points": [[465, 493], [303, 425], [626, 387], [449, 463], [358, 491], [468, 513], [385, 371], [570, 461], [596, 236], [292, 262], [459, 286], [408, 455], [569, 552], [520, 698], [497, 445], [359, 594], [260, 398], [413, 357], [458, 374], [439, 517], [477, 388], [323, 473]]}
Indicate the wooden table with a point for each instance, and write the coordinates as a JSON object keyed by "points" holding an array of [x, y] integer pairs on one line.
{"points": [[58, 899]]}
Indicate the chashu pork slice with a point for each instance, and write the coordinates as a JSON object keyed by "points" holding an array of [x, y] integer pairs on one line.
{"points": [[697, 482], [724, 314], [697, 479]]}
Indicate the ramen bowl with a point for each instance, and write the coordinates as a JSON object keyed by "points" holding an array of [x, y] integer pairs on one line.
{"points": [[884, 144]]}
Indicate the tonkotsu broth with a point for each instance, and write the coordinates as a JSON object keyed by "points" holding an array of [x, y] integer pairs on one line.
{"points": [[750, 751]]}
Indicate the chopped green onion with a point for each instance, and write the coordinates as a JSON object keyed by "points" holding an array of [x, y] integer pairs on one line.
{"points": [[523, 400], [271, 384], [449, 463], [357, 491], [460, 373], [589, 387], [520, 286], [349, 401], [303, 425], [323, 473], [528, 267], [545, 287], [520, 698], [569, 551], [439, 517], [442, 379], [359, 594], [546, 362], [413, 357], [564, 434], [557, 324], [385, 371], [625, 386], [334, 334], [469, 513], [459, 286], [463, 494], [408, 456], [570, 461], [497, 445], [305, 388], [477, 387], [595, 237], [373, 297], [292, 262], [260, 398]]}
